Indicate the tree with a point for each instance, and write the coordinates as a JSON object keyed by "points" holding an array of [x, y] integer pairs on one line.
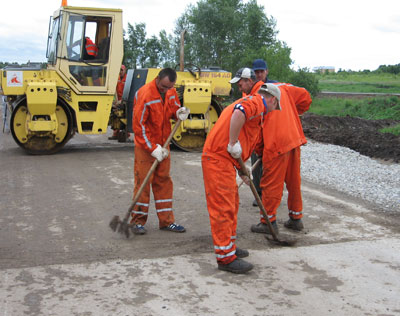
{"points": [[167, 55], [134, 45], [228, 33]]}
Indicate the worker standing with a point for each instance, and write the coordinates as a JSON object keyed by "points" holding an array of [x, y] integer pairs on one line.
{"points": [[261, 70], [234, 135], [282, 136], [117, 102], [154, 105]]}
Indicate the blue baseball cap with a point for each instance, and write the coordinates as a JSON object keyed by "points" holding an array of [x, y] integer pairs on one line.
{"points": [[259, 64]]}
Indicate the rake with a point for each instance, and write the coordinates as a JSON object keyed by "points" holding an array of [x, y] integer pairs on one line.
{"points": [[122, 225]]}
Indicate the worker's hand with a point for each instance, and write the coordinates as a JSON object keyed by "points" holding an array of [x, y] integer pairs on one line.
{"points": [[244, 177], [160, 153], [182, 113], [235, 150]]}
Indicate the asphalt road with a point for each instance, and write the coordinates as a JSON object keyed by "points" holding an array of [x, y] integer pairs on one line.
{"points": [[59, 257]]}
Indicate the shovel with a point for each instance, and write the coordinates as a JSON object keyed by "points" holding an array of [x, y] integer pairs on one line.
{"points": [[287, 243], [254, 166], [123, 226]]}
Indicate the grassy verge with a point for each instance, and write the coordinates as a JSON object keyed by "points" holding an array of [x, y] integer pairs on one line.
{"points": [[367, 108], [360, 82]]}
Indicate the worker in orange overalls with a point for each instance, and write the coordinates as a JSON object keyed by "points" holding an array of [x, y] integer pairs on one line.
{"points": [[91, 48], [282, 136], [261, 70], [234, 135], [119, 93], [154, 105]]}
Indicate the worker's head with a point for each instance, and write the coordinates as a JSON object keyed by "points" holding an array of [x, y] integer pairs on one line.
{"points": [[122, 71], [272, 96], [166, 79], [261, 69], [245, 79]]}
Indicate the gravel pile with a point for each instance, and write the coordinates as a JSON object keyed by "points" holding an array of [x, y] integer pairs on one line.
{"points": [[349, 172]]}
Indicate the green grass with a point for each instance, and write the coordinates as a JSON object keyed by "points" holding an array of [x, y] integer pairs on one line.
{"points": [[392, 130], [360, 82], [367, 108]]}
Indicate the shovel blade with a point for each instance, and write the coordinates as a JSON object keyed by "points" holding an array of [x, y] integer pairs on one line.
{"points": [[114, 223], [280, 242]]}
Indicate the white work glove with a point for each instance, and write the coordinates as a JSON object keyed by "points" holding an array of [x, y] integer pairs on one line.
{"points": [[160, 153], [182, 113], [235, 150]]}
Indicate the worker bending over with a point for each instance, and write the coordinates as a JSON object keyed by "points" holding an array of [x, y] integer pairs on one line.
{"points": [[234, 135], [282, 136]]}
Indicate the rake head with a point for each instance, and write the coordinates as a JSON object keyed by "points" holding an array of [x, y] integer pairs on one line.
{"points": [[124, 228]]}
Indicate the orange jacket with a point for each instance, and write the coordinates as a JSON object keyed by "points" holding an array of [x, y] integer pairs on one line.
{"points": [[120, 87], [255, 88], [151, 115], [91, 47], [217, 141], [282, 130]]}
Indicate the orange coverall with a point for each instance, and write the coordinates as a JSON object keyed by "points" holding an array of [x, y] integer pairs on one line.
{"points": [[282, 137], [120, 87], [219, 173], [151, 125], [91, 47]]}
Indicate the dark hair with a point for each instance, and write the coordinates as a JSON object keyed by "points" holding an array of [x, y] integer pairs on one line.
{"points": [[167, 72]]}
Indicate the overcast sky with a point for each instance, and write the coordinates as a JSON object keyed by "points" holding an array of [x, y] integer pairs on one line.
{"points": [[346, 34]]}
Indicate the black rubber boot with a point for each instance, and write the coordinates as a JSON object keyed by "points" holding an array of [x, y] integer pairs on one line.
{"points": [[238, 266]]}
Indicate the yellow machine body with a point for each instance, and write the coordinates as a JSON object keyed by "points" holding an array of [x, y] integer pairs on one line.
{"points": [[75, 93]]}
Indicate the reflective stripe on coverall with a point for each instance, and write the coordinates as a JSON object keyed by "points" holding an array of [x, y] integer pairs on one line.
{"points": [[282, 169], [151, 115], [151, 125], [91, 48], [282, 137], [161, 185], [219, 173]]}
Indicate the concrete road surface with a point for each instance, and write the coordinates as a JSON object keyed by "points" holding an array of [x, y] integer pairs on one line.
{"points": [[59, 257]]}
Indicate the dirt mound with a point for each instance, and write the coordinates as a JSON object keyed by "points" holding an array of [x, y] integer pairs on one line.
{"points": [[358, 134]]}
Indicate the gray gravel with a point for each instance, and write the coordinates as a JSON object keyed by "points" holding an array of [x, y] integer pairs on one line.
{"points": [[347, 171]]}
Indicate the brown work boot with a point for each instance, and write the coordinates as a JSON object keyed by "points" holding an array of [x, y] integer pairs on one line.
{"points": [[241, 253], [295, 224], [264, 228], [237, 266]]}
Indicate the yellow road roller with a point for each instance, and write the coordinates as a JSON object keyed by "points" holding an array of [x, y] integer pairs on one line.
{"points": [[75, 93]]}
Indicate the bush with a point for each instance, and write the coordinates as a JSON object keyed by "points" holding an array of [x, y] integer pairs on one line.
{"points": [[304, 78]]}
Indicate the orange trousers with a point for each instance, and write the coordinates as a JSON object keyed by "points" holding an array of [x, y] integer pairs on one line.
{"points": [[283, 169], [222, 197], [161, 185]]}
